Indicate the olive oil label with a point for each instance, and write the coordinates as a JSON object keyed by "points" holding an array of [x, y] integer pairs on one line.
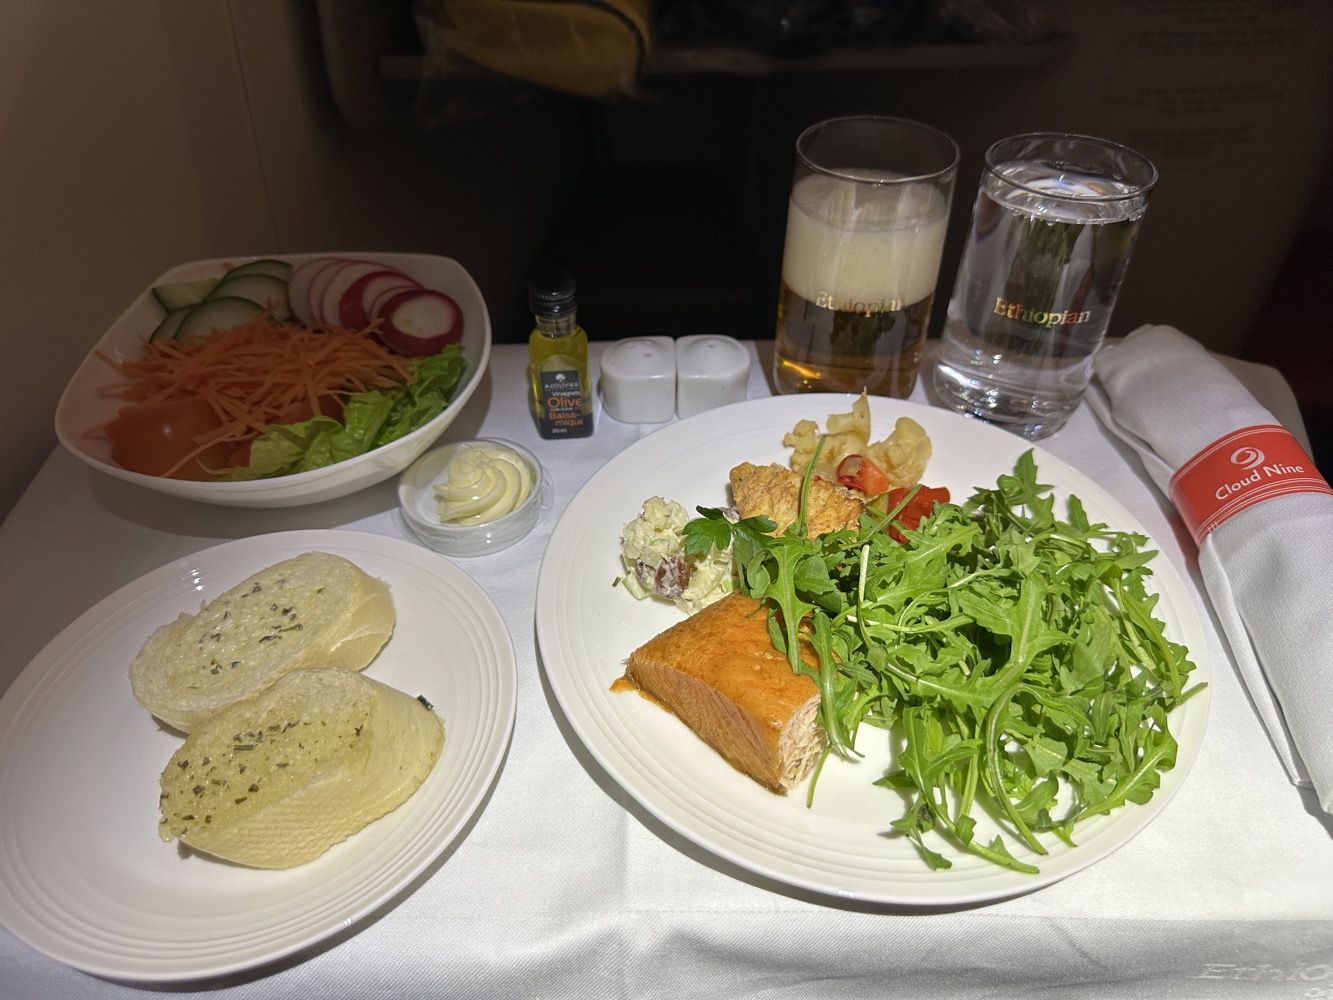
{"points": [[562, 395]]}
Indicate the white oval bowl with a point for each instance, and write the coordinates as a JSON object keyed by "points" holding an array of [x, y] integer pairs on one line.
{"points": [[83, 406]]}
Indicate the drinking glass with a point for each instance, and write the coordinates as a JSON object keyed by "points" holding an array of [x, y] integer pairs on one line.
{"points": [[865, 228], [1052, 230]]}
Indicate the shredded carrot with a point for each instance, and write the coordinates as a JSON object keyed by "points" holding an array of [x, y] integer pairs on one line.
{"points": [[255, 374]]}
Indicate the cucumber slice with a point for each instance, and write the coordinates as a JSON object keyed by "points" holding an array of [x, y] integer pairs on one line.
{"points": [[221, 313], [265, 265], [178, 294], [166, 330], [262, 289]]}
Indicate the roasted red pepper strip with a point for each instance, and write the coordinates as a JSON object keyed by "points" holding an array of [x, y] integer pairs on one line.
{"points": [[920, 506], [860, 473]]}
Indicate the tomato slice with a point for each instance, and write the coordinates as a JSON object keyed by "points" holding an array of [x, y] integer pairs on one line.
{"points": [[860, 473], [153, 437], [915, 510]]}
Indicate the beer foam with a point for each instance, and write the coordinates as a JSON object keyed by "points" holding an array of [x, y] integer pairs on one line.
{"points": [[875, 244]]}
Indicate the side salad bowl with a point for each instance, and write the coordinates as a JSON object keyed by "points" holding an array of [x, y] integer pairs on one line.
{"points": [[85, 404]]}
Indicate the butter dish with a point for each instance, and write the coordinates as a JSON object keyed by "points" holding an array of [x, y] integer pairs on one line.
{"points": [[419, 501]]}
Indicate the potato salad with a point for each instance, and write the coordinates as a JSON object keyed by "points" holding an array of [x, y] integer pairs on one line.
{"points": [[656, 564]]}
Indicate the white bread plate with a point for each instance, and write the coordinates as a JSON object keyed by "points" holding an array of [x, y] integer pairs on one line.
{"points": [[83, 405], [84, 876]]}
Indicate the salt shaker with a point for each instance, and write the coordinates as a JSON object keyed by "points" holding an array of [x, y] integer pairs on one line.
{"points": [[710, 371], [638, 380]]}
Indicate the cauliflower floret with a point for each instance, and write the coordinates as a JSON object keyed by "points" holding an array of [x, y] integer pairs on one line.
{"points": [[902, 456], [802, 439]]}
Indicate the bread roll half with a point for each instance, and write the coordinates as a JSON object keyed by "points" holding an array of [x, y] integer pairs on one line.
{"points": [[276, 779], [315, 609]]}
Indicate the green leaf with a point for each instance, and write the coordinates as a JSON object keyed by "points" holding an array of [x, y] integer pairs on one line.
{"points": [[1047, 755], [434, 379], [284, 449]]}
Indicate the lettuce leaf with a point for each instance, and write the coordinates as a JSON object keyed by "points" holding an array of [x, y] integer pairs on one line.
{"points": [[434, 380], [369, 420]]}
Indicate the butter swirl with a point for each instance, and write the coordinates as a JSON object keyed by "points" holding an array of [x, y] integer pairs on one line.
{"points": [[484, 482]]}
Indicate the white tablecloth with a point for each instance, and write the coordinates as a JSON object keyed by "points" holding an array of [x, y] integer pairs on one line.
{"points": [[563, 887]]}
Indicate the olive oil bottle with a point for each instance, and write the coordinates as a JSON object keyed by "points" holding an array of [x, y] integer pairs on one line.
{"points": [[560, 395]]}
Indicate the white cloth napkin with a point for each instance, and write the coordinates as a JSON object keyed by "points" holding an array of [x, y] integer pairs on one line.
{"points": [[1268, 569]]}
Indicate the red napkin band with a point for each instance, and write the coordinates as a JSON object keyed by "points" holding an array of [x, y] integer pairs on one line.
{"points": [[1239, 470]]}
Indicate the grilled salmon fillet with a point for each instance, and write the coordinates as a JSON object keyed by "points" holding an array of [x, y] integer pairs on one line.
{"points": [[718, 672], [776, 492]]}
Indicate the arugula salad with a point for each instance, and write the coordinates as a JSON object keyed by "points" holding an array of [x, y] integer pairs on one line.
{"points": [[1010, 650]]}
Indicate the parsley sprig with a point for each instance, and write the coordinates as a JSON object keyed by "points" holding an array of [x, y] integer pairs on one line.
{"points": [[1013, 656]]}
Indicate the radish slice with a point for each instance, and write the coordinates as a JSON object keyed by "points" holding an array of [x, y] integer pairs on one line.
{"points": [[298, 287], [330, 302], [375, 305], [319, 283], [354, 310], [420, 321]]}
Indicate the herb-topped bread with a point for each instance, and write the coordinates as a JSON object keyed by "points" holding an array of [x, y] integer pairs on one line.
{"points": [[313, 610], [276, 779]]}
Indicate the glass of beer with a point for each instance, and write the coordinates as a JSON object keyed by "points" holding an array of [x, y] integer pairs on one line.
{"points": [[865, 229], [1055, 220]]}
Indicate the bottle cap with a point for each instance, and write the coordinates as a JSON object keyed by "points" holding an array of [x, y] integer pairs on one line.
{"points": [[552, 293]]}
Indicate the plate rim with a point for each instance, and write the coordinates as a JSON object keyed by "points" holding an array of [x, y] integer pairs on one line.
{"points": [[419, 851], [563, 683]]}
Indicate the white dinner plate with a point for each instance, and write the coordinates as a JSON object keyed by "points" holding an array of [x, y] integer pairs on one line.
{"points": [[586, 628], [84, 876]]}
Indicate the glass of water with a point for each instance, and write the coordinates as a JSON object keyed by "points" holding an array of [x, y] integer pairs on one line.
{"points": [[1052, 230]]}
